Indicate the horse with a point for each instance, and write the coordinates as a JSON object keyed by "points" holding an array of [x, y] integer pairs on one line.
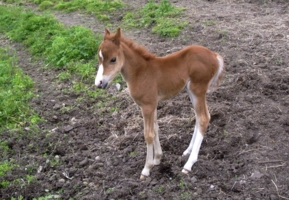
{"points": [[151, 79]]}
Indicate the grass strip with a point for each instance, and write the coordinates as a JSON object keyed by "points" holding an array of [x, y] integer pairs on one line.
{"points": [[16, 89], [47, 37], [100, 8], [161, 17]]}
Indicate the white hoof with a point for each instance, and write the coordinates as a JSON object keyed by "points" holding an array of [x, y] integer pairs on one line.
{"points": [[142, 177], [185, 171], [186, 153]]}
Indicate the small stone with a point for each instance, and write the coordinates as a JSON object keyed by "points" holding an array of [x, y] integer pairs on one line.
{"points": [[83, 147], [256, 174], [68, 128], [193, 179], [39, 169], [118, 86], [73, 120], [97, 158], [84, 162], [57, 196], [27, 129], [61, 180], [211, 187], [99, 164], [56, 107], [57, 157]]}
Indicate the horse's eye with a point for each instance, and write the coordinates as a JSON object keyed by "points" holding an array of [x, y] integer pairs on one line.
{"points": [[113, 60]]}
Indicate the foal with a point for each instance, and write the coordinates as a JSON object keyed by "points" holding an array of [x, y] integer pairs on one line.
{"points": [[151, 79]]}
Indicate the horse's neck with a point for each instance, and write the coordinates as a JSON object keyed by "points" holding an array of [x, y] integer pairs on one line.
{"points": [[133, 64]]}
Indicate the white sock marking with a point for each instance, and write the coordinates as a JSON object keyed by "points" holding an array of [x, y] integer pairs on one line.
{"points": [[149, 160], [195, 151], [190, 93], [214, 81], [221, 64], [189, 149], [157, 146]]}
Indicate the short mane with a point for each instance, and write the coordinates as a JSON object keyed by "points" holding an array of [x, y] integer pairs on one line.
{"points": [[141, 50]]}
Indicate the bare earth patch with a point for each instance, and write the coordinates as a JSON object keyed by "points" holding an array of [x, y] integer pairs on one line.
{"points": [[245, 154]]}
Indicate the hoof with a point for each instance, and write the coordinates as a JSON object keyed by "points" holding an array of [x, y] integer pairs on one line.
{"points": [[185, 171], [142, 177]]}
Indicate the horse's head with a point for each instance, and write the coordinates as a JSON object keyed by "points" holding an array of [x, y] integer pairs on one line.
{"points": [[110, 58]]}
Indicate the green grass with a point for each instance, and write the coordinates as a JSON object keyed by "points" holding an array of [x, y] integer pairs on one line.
{"points": [[100, 8], [70, 49], [161, 17], [16, 89], [47, 37]]}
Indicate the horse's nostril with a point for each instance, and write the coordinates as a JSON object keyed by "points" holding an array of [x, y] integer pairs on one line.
{"points": [[100, 84]]}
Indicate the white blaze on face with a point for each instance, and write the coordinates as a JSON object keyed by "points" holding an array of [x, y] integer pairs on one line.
{"points": [[99, 76]]}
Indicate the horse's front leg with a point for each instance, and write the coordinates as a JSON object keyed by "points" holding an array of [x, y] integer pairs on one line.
{"points": [[149, 135]]}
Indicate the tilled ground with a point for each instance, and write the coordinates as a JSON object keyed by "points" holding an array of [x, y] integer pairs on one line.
{"points": [[101, 152]]}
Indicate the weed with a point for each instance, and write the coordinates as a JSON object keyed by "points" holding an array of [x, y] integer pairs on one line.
{"points": [[19, 198], [30, 178], [109, 190], [4, 183], [63, 76], [132, 154], [171, 27], [160, 189], [209, 23], [4, 147], [5, 167]]}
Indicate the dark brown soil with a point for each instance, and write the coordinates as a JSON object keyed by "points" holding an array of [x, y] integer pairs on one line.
{"points": [[101, 153]]}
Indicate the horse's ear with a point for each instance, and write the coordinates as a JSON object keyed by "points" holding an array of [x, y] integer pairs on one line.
{"points": [[117, 36], [106, 32]]}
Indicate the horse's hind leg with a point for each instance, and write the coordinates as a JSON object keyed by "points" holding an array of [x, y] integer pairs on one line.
{"points": [[190, 147], [198, 98], [157, 146]]}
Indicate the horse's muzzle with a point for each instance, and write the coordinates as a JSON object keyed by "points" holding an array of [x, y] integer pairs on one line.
{"points": [[102, 85]]}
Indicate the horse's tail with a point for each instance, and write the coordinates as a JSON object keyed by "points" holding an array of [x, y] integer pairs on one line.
{"points": [[215, 82]]}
